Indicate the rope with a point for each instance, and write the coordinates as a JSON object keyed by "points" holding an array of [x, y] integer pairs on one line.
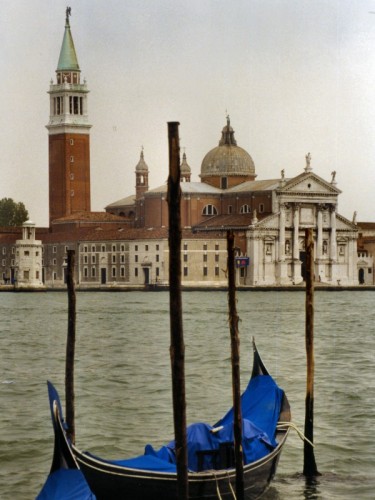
{"points": [[291, 425], [218, 490], [231, 487], [217, 486]]}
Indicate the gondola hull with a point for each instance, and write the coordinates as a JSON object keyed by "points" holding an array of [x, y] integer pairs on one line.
{"points": [[110, 482]]}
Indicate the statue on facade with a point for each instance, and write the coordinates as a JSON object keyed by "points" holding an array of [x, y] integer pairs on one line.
{"points": [[283, 175], [355, 217], [333, 176], [308, 161]]}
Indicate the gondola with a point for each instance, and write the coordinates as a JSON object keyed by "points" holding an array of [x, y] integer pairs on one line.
{"points": [[212, 473]]}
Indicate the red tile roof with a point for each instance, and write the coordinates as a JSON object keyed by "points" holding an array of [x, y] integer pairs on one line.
{"points": [[89, 217]]}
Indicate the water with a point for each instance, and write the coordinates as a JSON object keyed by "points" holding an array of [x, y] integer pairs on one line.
{"points": [[123, 391]]}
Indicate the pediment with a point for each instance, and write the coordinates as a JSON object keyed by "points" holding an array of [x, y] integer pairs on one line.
{"points": [[270, 222], [362, 263], [309, 183], [343, 223]]}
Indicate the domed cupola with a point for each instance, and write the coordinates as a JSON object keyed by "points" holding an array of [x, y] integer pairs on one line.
{"points": [[141, 177], [227, 165], [185, 170]]}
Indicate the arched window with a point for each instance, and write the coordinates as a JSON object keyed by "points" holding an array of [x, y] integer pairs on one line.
{"points": [[245, 209], [209, 210]]}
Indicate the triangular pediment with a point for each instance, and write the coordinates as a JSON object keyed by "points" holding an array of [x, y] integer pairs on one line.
{"points": [[309, 183], [270, 222], [343, 223]]}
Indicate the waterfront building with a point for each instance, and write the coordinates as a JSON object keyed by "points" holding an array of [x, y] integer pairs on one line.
{"points": [[366, 252], [127, 245], [28, 268], [269, 217]]}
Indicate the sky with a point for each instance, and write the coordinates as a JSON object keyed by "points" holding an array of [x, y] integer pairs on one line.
{"points": [[295, 76]]}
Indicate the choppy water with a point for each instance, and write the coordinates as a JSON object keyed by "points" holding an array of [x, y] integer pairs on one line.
{"points": [[123, 390]]}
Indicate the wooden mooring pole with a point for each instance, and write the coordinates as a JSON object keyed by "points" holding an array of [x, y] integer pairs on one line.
{"points": [[309, 465], [177, 347], [70, 348], [235, 358]]}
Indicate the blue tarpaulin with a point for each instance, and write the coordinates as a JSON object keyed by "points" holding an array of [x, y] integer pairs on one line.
{"points": [[260, 403], [66, 484]]}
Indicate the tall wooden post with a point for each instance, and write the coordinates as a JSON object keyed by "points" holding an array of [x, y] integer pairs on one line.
{"points": [[70, 348], [235, 358], [309, 465], [177, 348]]}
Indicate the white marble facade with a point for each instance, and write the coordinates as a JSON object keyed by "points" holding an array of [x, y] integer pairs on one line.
{"points": [[275, 244], [28, 261]]}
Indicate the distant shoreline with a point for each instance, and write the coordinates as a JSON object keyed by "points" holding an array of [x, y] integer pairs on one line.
{"points": [[162, 288]]}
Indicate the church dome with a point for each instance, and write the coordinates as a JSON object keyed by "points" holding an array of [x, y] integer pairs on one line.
{"points": [[227, 159]]}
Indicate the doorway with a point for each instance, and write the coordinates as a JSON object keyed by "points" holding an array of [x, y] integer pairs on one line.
{"points": [[361, 276], [146, 271], [103, 275]]}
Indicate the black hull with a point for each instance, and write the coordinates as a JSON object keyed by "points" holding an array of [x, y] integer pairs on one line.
{"points": [[109, 482]]}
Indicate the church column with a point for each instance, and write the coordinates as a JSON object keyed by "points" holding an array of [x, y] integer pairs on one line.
{"points": [[282, 232], [296, 232], [319, 263], [333, 248], [319, 242], [282, 266], [297, 278]]}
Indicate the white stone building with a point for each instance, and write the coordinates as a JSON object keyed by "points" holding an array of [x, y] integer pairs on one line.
{"points": [[275, 244], [28, 259]]}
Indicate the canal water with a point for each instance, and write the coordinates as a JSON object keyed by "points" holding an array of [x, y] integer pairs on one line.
{"points": [[123, 382]]}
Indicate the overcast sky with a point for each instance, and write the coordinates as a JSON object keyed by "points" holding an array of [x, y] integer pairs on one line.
{"points": [[295, 76]]}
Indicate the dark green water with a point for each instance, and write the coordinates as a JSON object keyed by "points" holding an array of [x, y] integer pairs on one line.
{"points": [[123, 386]]}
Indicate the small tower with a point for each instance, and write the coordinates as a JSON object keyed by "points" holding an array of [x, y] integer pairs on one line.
{"points": [[28, 261], [185, 169], [141, 177], [69, 139]]}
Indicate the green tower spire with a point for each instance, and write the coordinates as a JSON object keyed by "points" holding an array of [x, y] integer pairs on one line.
{"points": [[68, 58]]}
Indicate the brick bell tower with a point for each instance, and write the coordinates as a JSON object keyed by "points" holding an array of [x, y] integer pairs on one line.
{"points": [[69, 135]]}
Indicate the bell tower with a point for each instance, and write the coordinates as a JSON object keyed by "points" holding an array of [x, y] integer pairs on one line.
{"points": [[69, 135], [141, 177]]}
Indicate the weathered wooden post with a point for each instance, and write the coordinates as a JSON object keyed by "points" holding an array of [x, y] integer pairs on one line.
{"points": [[177, 348], [70, 348], [309, 465], [235, 358]]}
